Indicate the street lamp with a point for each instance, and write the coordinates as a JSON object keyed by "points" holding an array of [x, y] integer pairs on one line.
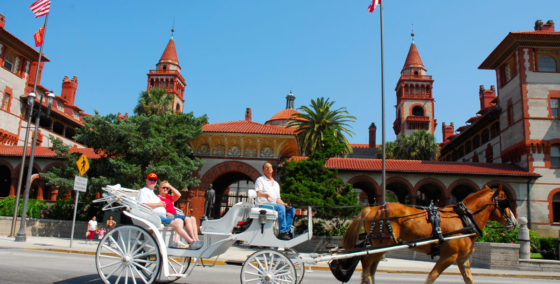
{"points": [[20, 237], [30, 102]]}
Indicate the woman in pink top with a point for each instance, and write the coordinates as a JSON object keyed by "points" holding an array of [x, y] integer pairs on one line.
{"points": [[169, 195]]}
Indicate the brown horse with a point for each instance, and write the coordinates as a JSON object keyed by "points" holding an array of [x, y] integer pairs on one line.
{"points": [[410, 224]]}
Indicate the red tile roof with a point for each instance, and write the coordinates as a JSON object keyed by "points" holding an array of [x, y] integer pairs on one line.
{"points": [[435, 167], [285, 114], [170, 54], [361, 146], [248, 127], [413, 59], [6, 150]]}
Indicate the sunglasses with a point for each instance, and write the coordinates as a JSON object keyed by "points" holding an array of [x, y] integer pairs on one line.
{"points": [[152, 179]]}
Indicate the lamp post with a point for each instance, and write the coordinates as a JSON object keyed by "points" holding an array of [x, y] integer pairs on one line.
{"points": [[20, 237], [30, 102]]}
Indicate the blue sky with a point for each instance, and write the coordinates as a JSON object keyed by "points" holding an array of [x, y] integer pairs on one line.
{"points": [[239, 54]]}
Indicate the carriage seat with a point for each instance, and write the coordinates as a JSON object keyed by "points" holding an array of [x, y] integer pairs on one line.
{"points": [[271, 214], [225, 225]]}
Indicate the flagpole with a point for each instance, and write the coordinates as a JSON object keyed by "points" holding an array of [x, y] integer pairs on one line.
{"points": [[21, 237], [383, 172]]}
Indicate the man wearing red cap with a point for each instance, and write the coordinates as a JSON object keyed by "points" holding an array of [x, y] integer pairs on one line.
{"points": [[147, 197]]}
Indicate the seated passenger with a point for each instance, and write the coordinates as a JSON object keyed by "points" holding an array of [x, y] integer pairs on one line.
{"points": [[169, 195], [268, 196], [147, 197]]}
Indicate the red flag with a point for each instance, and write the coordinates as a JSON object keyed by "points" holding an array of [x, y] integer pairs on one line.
{"points": [[373, 4], [40, 8], [39, 36]]}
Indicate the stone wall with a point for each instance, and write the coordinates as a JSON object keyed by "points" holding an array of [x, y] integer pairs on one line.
{"points": [[45, 227]]}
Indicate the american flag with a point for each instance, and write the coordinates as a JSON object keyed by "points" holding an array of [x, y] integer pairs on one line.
{"points": [[373, 4], [40, 8]]}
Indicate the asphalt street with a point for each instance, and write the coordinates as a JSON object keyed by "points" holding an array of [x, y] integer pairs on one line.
{"points": [[36, 266]]}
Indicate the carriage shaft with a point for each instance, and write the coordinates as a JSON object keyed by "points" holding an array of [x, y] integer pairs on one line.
{"points": [[386, 249]]}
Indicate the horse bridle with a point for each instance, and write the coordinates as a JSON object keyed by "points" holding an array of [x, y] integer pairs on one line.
{"points": [[502, 205]]}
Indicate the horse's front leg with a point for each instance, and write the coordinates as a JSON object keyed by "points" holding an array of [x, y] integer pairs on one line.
{"points": [[465, 268], [441, 265]]}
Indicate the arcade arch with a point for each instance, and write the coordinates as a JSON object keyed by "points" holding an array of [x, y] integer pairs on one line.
{"points": [[369, 190], [5, 181], [460, 189], [398, 190], [428, 190]]}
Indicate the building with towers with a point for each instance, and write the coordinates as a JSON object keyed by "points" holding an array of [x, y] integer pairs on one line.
{"points": [[415, 101], [167, 76]]}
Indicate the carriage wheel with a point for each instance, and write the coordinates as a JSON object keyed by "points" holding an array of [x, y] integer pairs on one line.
{"points": [[177, 265], [268, 266], [127, 254], [298, 264]]}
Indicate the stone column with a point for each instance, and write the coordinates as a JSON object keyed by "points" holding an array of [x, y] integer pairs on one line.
{"points": [[524, 239]]}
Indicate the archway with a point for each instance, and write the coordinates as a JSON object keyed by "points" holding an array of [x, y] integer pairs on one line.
{"points": [[428, 191], [367, 188], [460, 190], [222, 176], [230, 188], [5, 181], [398, 190]]}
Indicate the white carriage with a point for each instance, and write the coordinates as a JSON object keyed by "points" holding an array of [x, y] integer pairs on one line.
{"points": [[140, 253]]}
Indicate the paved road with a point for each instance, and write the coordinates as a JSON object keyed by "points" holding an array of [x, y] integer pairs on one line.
{"points": [[33, 266]]}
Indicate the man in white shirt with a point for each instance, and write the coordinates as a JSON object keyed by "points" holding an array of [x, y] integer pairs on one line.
{"points": [[147, 197], [268, 196]]}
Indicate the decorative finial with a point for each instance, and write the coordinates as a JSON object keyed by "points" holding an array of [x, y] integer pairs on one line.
{"points": [[412, 33], [173, 28]]}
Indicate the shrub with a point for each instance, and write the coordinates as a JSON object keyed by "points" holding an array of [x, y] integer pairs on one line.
{"points": [[34, 207], [494, 232], [549, 248], [322, 227]]}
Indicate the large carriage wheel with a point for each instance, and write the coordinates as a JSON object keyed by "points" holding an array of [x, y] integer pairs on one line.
{"points": [[298, 264], [127, 254], [177, 265], [268, 266]]}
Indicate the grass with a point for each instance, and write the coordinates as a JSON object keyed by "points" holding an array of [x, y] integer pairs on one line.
{"points": [[536, 255]]}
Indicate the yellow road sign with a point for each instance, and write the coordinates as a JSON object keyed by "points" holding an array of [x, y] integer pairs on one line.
{"points": [[83, 164]]}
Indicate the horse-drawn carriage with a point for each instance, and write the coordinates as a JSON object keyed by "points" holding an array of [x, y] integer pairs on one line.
{"points": [[141, 252]]}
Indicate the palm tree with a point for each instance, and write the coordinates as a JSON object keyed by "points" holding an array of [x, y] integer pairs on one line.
{"points": [[154, 101], [315, 122], [420, 145]]}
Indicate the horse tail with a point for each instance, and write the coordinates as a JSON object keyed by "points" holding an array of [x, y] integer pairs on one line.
{"points": [[350, 237], [342, 269]]}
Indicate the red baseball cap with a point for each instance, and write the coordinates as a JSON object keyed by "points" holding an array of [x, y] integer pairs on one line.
{"points": [[152, 176]]}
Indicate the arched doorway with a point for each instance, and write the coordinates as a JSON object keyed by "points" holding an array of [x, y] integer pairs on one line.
{"points": [[429, 191], [398, 190], [366, 188], [460, 190], [5, 181], [230, 188]]}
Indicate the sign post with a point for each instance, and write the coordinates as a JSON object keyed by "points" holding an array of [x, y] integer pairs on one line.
{"points": [[80, 185]]}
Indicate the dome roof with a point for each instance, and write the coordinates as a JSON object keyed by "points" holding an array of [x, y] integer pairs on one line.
{"points": [[285, 114]]}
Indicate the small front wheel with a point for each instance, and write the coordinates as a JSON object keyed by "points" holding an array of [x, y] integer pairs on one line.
{"points": [[127, 254], [268, 266]]}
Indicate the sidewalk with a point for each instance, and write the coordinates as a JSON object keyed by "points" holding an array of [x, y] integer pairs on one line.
{"points": [[237, 255]]}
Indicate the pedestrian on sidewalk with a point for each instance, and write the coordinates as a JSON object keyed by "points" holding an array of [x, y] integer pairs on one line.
{"points": [[111, 223], [100, 233], [92, 228]]}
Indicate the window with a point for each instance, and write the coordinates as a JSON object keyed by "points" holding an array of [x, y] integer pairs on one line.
{"points": [[554, 107], [9, 62], [489, 154], [555, 156], [476, 142], [468, 147], [547, 64], [508, 71], [494, 130], [5, 101], [556, 208], [509, 113], [418, 111], [406, 89], [485, 136]]}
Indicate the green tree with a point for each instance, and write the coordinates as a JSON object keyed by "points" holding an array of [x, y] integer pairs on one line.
{"points": [[420, 145], [129, 149], [154, 102], [308, 182], [319, 120]]}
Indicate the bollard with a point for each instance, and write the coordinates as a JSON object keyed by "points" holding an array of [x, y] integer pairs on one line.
{"points": [[524, 239]]}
